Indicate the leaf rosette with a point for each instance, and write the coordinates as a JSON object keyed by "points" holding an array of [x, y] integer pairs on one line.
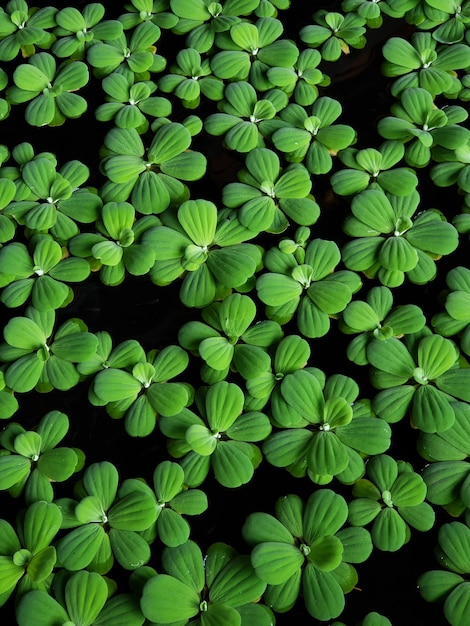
{"points": [[374, 168], [48, 200], [201, 20], [24, 28], [248, 50], [142, 390], [242, 115], [40, 274], [455, 320], [310, 135], [131, 55], [130, 104], [119, 249], [205, 247], [27, 558], [217, 587], [80, 597], [150, 178], [422, 62], [267, 198], [189, 77], [334, 34], [325, 431], [377, 318], [419, 124], [229, 339], [392, 499], [450, 585], [312, 288], [49, 89], [77, 31], [173, 501], [37, 357], [392, 241], [31, 461], [222, 438], [423, 379], [306, 547], [105, 526]]}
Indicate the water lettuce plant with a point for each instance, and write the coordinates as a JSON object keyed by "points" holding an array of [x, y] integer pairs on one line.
{"points": [[50, 89], [27, 557], [392, 497], [207, 250], [306, 547], [392, 239], [328, 434], [233, 258], [31, 461], [140, 390], [104, 524], [82, 597], [312, 288], [220, 585]]}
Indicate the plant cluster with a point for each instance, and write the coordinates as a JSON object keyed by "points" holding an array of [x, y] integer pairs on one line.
{"points": [[265, 276]]}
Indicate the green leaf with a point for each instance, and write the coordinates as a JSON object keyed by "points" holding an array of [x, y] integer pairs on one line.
{"points": [[173, 530], [22, 332], [454, 539], [436, 585], [112, 385], [391, 356], [456, 383], [224, 403], [326, 553], [130, 549], [431, 411], [39, 607], [199, 220], [232, 465], [389, 530], [13, 469], [201, 440], [58, 465], [136, 511], [236, 584], [157, 602], [303, 392], [323, 595], [85, 596], [275, 562], [457, 605]]}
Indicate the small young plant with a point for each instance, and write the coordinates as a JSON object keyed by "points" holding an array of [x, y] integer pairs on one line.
{"points": [[80, 598], [39, 357], [38, 274], [392, 241], [312, 290], [222, 439], [450, 585], [173, 501], [142, 390], [27, 558], [392, 497], [30, 461], [405, 376], [376, 318], [105, 525]]}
